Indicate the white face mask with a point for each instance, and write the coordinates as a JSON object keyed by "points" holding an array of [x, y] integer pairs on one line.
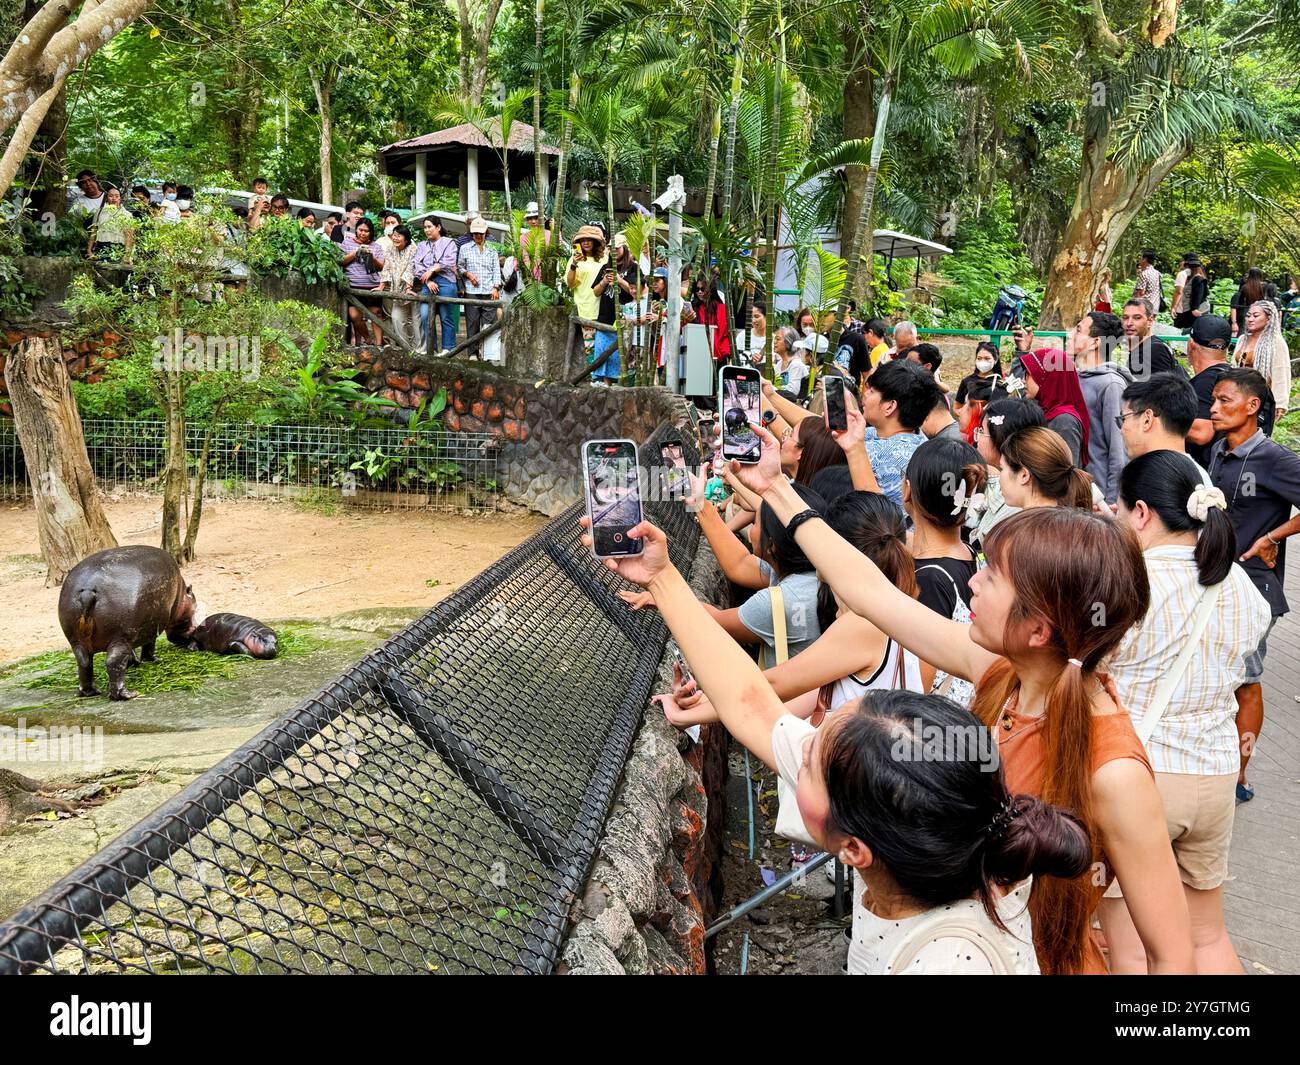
{"points": [[389, 228], [170, 196], [984, 365], [808, 330]]}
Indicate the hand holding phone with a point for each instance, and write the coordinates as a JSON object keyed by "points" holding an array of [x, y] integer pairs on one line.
{"points": [[740, 406], [613, 491], [837, 414]]}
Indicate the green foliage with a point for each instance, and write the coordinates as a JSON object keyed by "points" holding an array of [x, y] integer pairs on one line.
{"points": [[282, 246], [983, 249], [320, 394], [16, 292]]}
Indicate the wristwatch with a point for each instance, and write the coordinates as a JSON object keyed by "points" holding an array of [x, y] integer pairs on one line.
{"points": [[792, 526]]}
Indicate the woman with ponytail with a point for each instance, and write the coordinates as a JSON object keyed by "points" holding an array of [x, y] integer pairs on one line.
{"points": [[851, 656], [942, 851], [1002, 419], [944, 479], [1061, 589], [1189, 546], [1037, 471]]}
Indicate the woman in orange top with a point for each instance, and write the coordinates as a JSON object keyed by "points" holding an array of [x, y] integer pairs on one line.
{"points": [[1061, 589]]}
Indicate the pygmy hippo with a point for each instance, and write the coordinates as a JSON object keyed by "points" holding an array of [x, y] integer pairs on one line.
{"points": [[117, 600], [233, 634]]}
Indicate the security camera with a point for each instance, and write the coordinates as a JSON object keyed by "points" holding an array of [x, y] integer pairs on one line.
{"points": [[673, 196]]}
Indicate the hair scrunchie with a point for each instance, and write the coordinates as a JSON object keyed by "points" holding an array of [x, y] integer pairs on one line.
{"points": [[1202, 500]]}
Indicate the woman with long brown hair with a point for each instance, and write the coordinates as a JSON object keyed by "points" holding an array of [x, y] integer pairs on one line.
{"points": [[1061, 589], [1037, 471]]}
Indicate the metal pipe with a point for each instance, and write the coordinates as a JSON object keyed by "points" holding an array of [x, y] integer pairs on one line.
{"points": [[737, 912]]}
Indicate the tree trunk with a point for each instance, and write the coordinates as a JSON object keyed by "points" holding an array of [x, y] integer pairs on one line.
{"points": [[715, 135], [49, 47], [537, 110], [733, 106], [566, 142], [862, 230], [773, 189], [859, 122], [69, 515], [175, 475], [200, 478], [1106, 202], [321, 87]]}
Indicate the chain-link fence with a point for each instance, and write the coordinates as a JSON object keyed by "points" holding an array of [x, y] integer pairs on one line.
{"points": [[367, 467], [434, 809]]}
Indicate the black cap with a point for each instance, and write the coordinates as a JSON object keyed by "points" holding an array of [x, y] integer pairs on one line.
{"points": [[1191, 259], [1211, 331]]}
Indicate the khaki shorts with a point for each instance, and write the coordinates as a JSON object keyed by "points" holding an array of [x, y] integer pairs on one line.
{"points": [[1198, 814]]}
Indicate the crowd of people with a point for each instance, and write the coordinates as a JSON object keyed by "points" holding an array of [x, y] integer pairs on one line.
{"points": [[1078, 552]]}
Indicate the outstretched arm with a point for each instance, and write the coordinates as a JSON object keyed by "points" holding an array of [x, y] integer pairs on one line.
{"points": [[860, 584], [744, 701]]}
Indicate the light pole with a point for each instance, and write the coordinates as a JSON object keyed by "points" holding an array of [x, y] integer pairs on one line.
{"points": [[674, 200]]}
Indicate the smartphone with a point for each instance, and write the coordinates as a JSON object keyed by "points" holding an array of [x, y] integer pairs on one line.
{"points": [[680, 659], [740, 404], [837, 411], [613, 488]]}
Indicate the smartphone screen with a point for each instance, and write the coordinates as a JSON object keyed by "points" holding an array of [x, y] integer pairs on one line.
{"points": [[740, 404], [837, 414], [613, 495], [676, 477]]}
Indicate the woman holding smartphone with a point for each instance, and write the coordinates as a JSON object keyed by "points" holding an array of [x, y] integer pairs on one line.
{"points": [[1061, 589], [363, 263], [943, 848]]}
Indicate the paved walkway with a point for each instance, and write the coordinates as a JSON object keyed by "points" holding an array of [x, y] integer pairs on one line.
{"points": [[1262, 897]]}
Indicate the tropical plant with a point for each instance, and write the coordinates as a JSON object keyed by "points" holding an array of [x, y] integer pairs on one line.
{"points": [[283, 246]]}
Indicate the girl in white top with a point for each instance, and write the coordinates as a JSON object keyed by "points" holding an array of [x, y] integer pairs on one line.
{"points": [[923, 832]]}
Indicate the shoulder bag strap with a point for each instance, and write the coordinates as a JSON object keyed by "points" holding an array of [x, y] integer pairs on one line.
{"points": [[778, 624], [1160, 701]]}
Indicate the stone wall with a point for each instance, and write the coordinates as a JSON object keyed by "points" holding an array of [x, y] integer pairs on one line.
{"points": [[656, 881], [539, 425]]}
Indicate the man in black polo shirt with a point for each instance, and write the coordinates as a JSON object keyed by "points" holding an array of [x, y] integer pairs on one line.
{"points": [[1207, 351], [1261, 481], [1147, 353]]}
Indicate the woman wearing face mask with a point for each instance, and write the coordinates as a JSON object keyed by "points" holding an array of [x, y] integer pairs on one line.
{"points": [[1190, 547], [941, 847], [398, 276], [988, 365], [1061, 589]]}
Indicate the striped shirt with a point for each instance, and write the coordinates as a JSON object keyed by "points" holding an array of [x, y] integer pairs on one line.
{"points": [[484, 264], [1197, 734]]}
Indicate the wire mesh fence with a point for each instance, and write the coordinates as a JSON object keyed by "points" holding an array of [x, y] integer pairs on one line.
{"points": [[434, 809], [365, 467]]}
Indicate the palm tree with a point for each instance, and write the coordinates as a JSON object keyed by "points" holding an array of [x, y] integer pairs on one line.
{"points": [[658, 114], [603, 122], [1145, 118], [960, 35], [495, 126]]}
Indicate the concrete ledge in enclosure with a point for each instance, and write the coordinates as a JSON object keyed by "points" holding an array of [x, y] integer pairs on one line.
{"points": [[657, 878]]}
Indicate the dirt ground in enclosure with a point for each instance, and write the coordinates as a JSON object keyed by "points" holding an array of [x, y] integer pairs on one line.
{"points": [[271, 560]]}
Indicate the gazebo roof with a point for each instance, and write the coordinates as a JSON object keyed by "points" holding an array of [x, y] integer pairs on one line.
{"points": [[468, 135], [444, 153]]}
